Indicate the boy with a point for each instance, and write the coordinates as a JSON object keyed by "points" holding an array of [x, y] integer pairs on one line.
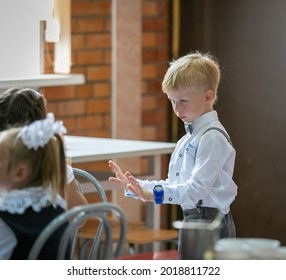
{"points": [[201, 167]]}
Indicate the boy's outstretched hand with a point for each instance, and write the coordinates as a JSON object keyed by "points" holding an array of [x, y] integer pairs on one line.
{"points": [[120, 178], [127, 181], [134, 186]]}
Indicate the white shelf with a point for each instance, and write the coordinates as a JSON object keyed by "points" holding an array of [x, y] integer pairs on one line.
{"points": [[45, 80]]}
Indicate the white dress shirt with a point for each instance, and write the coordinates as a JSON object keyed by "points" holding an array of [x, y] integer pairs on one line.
{"points": [[70, 175], [201, 168]]}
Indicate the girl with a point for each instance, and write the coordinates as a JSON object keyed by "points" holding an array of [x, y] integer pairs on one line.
{"points": [[23, 106], [32, 186]]}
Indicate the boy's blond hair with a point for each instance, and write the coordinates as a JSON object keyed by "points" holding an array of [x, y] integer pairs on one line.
{"points": [[196, 70]]}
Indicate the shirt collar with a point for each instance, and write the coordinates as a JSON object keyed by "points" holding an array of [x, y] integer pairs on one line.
{"points": [[18, 200], [201, 121]]}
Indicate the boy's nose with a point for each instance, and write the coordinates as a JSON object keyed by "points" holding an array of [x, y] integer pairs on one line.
{"points": [[178, 113], [176, 108]]}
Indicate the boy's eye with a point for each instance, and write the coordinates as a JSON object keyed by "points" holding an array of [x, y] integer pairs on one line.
{"points": [[183, 101], [178, 102]]}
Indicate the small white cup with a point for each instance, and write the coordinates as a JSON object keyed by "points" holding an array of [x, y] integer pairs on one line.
{"points": [[246, 248], [232, 249]]}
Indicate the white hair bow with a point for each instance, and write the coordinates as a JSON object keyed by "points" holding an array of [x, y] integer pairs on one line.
{"points": [[39, 133]]}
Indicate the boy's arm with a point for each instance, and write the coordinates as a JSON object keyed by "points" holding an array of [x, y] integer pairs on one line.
{"points": [[138, 190]]}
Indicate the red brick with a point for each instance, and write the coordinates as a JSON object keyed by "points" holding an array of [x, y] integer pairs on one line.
{"points": [[107, 56], [153, 86], [102, 133], [154, 117], [49, 56], [99, 106], [78, 8], [162, 99], [99, 41], [155, 55], [107, 121], [98, 165], [149, 39], [49, 70], [100, 8], [149, 71], [78, 69], [102, 89], [69, 123], [82, 8], [149, 102], [72, 108], [107, 24], [149, 133], [49, 47], [149, 8], [163, 7], [89, 57], [53, 107], [154, 24], [99, 73], [74, 58], [59, 93], [162, 39], [89, 122], [78, 41], [84, 91], [144, 165], [89, 25], [162, 134], [161, 71]]}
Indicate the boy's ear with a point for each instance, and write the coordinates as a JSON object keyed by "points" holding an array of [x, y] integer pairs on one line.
{"points": [[209, 96], [20, 174]]}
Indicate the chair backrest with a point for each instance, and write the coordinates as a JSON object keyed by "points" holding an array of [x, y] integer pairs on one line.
{"points": [[75, 217], [79, 173], [93, 252]]}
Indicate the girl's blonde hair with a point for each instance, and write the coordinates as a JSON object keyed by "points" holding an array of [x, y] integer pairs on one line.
{"points": [[47, 165], [197, 70]]}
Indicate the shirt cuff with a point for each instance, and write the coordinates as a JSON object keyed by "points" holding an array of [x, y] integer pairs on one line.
{"points": [[130, 193]]}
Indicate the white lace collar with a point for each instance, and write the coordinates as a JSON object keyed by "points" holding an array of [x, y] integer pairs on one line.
{"points": [[17, 201]]}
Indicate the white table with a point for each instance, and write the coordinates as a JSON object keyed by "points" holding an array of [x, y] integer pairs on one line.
{"points": [[88, 149]]}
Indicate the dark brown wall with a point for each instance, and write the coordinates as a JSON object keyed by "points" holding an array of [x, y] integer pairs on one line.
{"points": [[249, 39]]}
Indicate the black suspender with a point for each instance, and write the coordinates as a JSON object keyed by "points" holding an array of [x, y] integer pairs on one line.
{"points": [[221, 131], [200, 202]]}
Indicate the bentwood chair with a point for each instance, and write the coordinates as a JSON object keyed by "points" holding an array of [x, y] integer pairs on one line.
{"points": [[139, 237], [74, 217], [82, 174], [81, 177]]}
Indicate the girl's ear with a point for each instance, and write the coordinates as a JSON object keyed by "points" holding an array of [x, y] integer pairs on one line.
{"points": [[20, 174], [209, 96]]}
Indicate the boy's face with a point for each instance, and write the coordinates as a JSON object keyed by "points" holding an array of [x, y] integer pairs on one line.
{"points": [[188, 104]]}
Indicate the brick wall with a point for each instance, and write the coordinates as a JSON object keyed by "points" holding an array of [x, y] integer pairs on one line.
{"points": [[155, 50], [86, 109]]}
